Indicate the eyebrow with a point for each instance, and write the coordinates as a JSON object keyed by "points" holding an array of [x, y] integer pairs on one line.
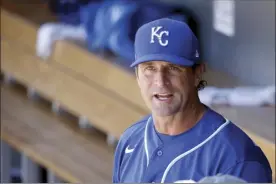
{"points": [[178, 66], [168, 65], [147, 64], [172, 65]]}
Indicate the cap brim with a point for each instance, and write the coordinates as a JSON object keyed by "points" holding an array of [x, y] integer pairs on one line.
{"points": [[163, 57]]}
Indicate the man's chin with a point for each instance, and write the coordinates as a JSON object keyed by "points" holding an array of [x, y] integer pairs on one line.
{"points": [[162, 112]]}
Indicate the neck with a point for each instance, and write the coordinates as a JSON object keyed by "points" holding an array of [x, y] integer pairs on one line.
{"points": [[181, 121]]}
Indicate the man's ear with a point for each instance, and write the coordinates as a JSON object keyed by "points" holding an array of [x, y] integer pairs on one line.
{"points": [[202, 68], [199, 71]]}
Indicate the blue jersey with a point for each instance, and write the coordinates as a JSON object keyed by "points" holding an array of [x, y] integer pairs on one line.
{"points": [[213, 146]]}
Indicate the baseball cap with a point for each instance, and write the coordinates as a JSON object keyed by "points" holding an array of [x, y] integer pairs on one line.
{"points": [[167, 40]]}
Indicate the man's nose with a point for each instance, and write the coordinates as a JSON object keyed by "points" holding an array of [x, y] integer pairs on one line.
{"points": [[160, 79]]}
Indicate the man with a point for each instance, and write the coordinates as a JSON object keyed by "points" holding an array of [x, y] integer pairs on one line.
{"points": [[182, 140]]}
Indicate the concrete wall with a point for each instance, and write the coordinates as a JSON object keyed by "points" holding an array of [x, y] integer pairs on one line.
{"points": [[250, 54]]}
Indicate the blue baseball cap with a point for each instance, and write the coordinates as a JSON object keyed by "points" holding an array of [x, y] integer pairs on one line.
{"points": [[166, 40]]}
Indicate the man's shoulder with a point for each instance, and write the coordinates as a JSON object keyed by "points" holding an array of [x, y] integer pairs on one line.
{"points": [[135, 129], [233, 150], [231, 134], [238, 144], [232, 139]]}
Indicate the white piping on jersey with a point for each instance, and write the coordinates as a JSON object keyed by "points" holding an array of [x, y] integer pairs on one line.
{"points": [[146, 141], [183, 154], [191, 150]]}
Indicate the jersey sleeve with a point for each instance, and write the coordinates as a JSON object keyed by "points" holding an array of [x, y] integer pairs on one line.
{"points": [[251, 171]]}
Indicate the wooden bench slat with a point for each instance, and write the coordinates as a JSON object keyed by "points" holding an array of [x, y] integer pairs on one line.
{"points": [[51, 143], [52, 155], [105, 112], [100, 71], [30, 117], [17, 28], [19, 142]]}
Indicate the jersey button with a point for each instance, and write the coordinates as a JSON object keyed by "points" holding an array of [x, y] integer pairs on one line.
{"points": [[159, 153]]}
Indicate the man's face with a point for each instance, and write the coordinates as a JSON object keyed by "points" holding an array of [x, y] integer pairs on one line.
{"points": [[166, 88]]}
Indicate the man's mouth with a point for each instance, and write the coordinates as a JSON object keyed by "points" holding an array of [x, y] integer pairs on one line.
{"points": [[163, 96]]}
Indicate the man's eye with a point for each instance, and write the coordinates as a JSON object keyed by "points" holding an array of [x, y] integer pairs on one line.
{"points": [[174, 68], [150, 68]]}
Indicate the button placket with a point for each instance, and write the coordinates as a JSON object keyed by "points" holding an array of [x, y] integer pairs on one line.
{"points": [[159, 153]]}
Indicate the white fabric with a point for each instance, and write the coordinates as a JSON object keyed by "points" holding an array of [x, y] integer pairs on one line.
{"points": [[48, 33], [251, 96], [239, 96], [222, 179]]}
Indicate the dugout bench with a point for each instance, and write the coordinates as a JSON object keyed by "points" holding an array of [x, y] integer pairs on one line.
{"points": [[69, 154]]}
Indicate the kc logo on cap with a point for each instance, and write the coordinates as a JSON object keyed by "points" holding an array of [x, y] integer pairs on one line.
{"points": [[166, 40], [157, 33]]}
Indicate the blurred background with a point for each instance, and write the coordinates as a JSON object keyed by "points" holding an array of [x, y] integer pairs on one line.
{"points": [[67, 92]]}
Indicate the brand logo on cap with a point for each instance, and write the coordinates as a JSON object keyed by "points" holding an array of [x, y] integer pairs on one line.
{"points": [[156, 33]]}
